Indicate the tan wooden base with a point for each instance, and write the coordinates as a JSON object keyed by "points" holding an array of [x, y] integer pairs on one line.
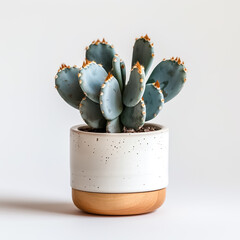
{"points": [[118, 203]]}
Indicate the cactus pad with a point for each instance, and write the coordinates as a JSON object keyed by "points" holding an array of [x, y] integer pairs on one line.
{"points": [[66, 83], [102, 53], [135, 87], [91, 113], [123, 71], [91, 77], [143, 52], [116, 70], [172, 75], [134, 117], [153, 99], [111, 98], [114, 126]]}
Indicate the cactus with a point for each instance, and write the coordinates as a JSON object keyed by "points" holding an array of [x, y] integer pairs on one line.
{"points": [[102, 53], [91, 77], [153, 99], [123, 71], [116, 70], [100, 91], [171, 75], [134, 117], [66, 82], [143, 52], [135, 87], [111, 98], [91, 113], [114, 126]]}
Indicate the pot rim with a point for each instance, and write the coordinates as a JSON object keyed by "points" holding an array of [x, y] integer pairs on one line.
{"points": [[161, 129]]}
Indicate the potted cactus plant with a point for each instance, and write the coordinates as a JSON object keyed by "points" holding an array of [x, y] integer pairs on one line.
{"points": [[119, 164]]}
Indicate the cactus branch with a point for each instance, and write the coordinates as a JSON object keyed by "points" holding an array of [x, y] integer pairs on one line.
{"points": [[91, 113], [111, 98], [135, 87], [101, 52], [123, 72], [116, 70], [134, 117], [143, 52], [153, 99], [91, 78], [114, 126], [66, 83], [171, 74]]}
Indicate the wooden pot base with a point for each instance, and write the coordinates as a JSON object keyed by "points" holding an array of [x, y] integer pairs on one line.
{"points": [[118, 203]]}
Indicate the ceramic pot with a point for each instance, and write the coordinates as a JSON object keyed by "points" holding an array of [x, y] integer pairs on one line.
{"points": [[119, 173]]}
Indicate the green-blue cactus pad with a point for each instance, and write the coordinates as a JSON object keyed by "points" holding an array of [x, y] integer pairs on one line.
{"points": [[111, 98], [153, 99], [66, 83], [134, 117], [172, 75], [91, 113], [114, 126], [143, 52], [102, 53], [135, 87], [123, 71], [116, 70], [91, 77]]}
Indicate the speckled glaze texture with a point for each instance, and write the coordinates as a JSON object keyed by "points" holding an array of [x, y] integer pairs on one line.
{"points": [[119, 162]]}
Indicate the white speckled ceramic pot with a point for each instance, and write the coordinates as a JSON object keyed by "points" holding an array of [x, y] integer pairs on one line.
{"points": [[118, 163]]}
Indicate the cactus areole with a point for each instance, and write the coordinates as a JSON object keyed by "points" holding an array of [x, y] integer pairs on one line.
{"points": [[100, 91]]}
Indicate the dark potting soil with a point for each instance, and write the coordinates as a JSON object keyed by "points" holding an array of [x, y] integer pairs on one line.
{"points": [[125, 130]]}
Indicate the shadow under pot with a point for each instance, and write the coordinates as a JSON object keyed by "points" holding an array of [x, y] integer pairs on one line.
{"points": [[119, 173]]}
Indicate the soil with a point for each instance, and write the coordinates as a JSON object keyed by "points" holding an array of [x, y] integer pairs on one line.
{"points": [[142, 129], [125, 130]]}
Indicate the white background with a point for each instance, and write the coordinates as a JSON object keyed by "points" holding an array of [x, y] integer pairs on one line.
{"points": [[204, 191]]}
